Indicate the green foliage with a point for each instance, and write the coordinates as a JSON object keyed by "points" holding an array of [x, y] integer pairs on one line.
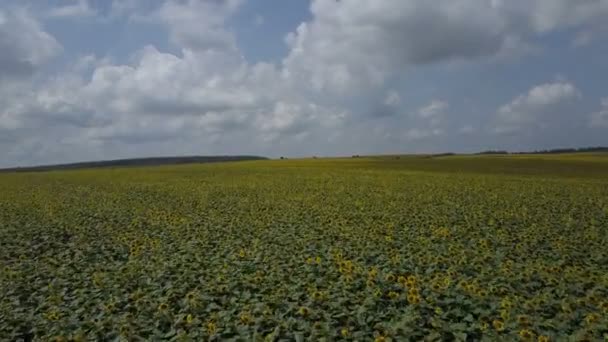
{"points": [[447, 248]]}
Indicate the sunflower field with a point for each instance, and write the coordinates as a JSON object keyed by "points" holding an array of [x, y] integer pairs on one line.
{"points": [[354, 249]]}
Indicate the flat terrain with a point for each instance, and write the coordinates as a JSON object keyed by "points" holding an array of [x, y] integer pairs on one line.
{"points": [[393, 247]]}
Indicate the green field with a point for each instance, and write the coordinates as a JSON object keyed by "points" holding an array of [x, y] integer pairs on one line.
{"points": [[383, 248]]}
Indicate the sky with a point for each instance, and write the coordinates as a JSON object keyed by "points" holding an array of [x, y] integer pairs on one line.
{"points": [[88, 80]]}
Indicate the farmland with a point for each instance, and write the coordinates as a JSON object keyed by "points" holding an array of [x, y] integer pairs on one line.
{"points": [[383, 248]]}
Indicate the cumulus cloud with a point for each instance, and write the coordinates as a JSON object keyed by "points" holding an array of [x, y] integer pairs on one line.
{"points": [[199, 25], [199, 90], [356, 43], [24, 45], [536, 107], [433, 109]]}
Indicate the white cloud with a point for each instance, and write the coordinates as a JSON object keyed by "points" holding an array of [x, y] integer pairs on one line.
{"points": [[199, 24], [24, 45], [80, 8], [354, 44], [204, 92], [529, 110], [433, 109], [600, 119]]}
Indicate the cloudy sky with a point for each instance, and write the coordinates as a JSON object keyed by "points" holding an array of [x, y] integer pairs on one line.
{"points": [[99, 79]]}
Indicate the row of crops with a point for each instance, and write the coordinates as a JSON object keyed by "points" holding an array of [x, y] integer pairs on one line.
{"points": [[267, 251]]}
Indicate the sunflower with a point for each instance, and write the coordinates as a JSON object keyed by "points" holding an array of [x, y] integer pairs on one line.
{"points": [[52, 316], [317, 295], [543, 338], [592, 318], [414, 291], [498, 325], [413, 299], [304, 311], [191, 296], [211, 328], [246, 318], [447, 282], [393, 295], [505, 314], [484, 326], [163, 307], [506, 303], [526, 334]]}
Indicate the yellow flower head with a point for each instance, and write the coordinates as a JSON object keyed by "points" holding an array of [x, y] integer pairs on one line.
{"points": [[506, 303], [498, 325], [344, 332], [317, 295], [189, 319], [592, 318], [390, 278], [414, 291], [505, 315], [447, 282], [191, 296], [526, 334], [52, 316], [211, 328], [413, 299], [304, 311], [163, 307], [543, 338], [246, 318], [393, 295], [484, 326]]}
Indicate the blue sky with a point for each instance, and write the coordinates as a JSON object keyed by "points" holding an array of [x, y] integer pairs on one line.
{"points": [[92, 79]]}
